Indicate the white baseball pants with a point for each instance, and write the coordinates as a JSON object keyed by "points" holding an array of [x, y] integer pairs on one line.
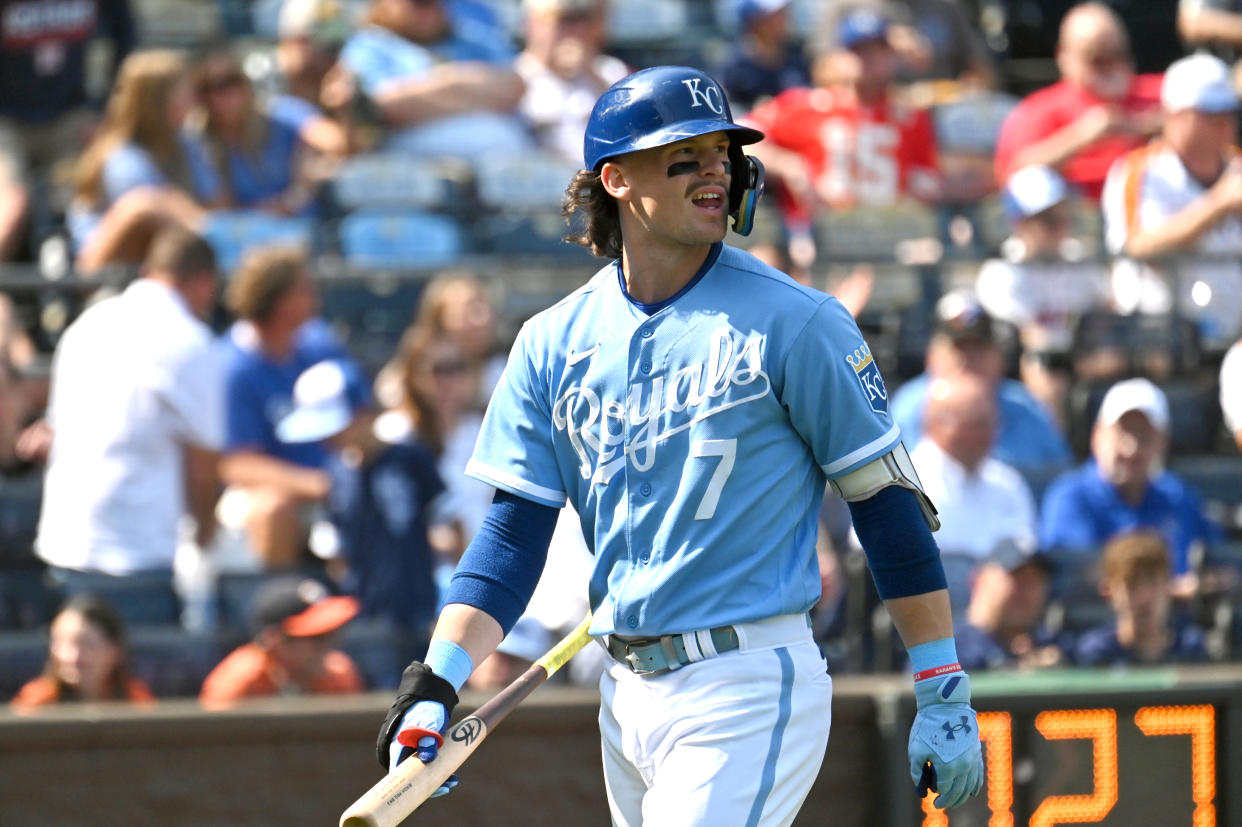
{"points": [[737, 739]]}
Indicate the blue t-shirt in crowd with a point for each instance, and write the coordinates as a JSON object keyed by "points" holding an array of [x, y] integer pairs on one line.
{"points": [[380, 512], [252, 178], [1082, 511], [1026, 438], [1100, 647], [259, 390], [127, 167], [747, 80]]}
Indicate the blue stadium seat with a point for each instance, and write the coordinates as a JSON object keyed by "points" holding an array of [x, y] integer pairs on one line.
{"points": [[232, 233], [375, 647], [399, 181], [527, 182], [399, 240], [23, 655]]}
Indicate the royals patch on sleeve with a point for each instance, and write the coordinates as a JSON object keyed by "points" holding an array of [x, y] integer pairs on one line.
{"points": [[868, 374]]}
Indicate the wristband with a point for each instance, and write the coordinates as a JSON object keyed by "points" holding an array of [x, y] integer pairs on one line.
{"points": [[449, 661], [938, 657]]}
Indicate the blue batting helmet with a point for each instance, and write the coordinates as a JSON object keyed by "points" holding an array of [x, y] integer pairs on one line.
{"points": [[664, 104]]}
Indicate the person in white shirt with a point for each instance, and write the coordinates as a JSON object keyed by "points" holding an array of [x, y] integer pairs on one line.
{"points": [[137, 416], [982, 502], [1040, 284], [1181, 196], [564, 70]]}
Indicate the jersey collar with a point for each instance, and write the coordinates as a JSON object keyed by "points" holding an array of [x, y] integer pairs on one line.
{"points": [[652, 308]]}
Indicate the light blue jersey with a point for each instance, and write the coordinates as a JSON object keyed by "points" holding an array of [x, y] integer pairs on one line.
{"points": [[695, 443]]}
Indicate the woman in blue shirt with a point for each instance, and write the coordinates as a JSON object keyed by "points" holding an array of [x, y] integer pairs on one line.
{"points": [[133, 176]]}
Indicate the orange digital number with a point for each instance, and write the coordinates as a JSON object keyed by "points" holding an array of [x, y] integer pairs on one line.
{"points": [[996, 733], [1199, 722], [1100, 726]]}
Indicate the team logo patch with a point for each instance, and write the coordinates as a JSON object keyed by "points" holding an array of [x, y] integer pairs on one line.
{"points": [[869, 378]]}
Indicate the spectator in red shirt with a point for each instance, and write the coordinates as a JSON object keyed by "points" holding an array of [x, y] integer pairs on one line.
{"points": [[846, 142], [291, 653], [1097, 112]]}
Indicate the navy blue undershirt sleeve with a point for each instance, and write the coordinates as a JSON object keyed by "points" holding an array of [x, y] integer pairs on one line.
{"points": [[901, 552], [501, 567]]}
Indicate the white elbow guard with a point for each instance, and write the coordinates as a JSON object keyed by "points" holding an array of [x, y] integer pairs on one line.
{"points": [[894, 468]]}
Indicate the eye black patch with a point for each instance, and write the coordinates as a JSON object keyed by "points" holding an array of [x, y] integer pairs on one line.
{"points": [[683, 168]]}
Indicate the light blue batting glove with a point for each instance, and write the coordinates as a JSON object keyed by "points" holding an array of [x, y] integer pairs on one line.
{"points": [[421, 733], [946, 756]]}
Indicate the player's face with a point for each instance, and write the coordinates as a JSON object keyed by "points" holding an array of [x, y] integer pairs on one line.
{"points": [[679, 193]]}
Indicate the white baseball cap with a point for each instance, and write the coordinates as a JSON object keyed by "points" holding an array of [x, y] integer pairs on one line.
{"points": [[1135, 395], [1201, 82], [321, 404], [1031, 190]]}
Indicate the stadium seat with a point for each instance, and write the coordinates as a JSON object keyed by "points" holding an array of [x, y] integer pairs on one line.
{"points": [[636, 21], [232, 233], [374, 646], [370, 312], [523, 183], [1218, 478], [26, 600], [235, 593], [20, 499], [172, 661], [371, 239], [388, 180], [23, 655], [538, 234]]}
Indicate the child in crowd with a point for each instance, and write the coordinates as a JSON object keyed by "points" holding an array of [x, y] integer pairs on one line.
{"points": [[1135, 579], [87, 659]]}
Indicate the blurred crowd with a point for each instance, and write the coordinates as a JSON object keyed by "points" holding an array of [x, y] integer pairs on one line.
{"points": [[209, 488]]}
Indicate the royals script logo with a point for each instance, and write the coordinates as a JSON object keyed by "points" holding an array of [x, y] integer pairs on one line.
{"points": [[605, 432]]}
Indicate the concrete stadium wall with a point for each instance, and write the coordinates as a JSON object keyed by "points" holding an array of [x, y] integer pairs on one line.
{"points": [[302, 761]]}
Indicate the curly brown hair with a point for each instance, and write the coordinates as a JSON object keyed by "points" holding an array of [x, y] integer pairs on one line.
{"points": [[588, 203]]}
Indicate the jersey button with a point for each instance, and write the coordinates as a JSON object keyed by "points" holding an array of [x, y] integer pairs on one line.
{"points": [[645, 489], [632, 622], [648, 333], [644, 558], [645, 367]]}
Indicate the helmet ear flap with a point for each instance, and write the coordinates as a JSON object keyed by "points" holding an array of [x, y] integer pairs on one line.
{"points": [[745, 188]]}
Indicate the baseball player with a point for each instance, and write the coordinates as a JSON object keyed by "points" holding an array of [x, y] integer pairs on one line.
{"points": [[691, 403]]}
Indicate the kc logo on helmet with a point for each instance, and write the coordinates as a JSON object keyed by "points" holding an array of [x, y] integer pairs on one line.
{"points": [[708, 96]]}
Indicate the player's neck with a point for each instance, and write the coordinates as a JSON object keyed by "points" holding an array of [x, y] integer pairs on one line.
{"points": [[654, 273]]}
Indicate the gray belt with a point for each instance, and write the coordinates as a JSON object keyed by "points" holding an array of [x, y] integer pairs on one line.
{"points": [[654, 655]]}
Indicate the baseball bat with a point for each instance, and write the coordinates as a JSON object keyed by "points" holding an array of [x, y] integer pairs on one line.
{"points": [[401, 791]]}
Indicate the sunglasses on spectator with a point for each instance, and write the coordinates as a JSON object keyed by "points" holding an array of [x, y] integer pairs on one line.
{"points": [[452, 367]]}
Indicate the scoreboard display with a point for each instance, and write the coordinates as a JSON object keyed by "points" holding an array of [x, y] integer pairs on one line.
{"points": [[1116, 749]]}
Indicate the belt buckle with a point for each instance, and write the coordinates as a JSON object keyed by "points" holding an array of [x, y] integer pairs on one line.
{"points": [[632, 660]]}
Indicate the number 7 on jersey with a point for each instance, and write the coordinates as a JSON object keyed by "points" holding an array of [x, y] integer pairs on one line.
{"points": [[726, 449]]}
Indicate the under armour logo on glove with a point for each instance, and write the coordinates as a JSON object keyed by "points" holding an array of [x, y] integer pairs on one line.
{"points": [[949, 729]]}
